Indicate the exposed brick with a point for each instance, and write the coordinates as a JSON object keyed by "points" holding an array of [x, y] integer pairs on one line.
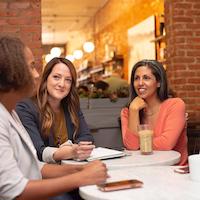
{"points": [[193, 12], [179, 81], [196, 5], [183, 19], [9, 13], [176, 13], [194, 67], [36, 4], [194, 80], [3, 5], [3, 21], [183, 33], [188, 87], [183, 60], [19, 5], [194, 93], [185, 73], [193, 53], [193, 26], [23, 19], [182, 5], [32, 29], [30, 12], [193, 40], [179, 12]]}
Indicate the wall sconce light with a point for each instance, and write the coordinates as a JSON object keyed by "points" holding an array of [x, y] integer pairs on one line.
{"points": [[88, 47], [78, 54], [55, 52], [70, 58]]}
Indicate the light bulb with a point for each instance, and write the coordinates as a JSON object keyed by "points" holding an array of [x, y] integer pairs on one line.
{"points": [[48, 57], [70, 57], [55, 51], [88, 47], [78, 54]]}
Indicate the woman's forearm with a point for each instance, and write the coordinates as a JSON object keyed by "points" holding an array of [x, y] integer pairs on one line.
{"points": [[42, 189], [64, 152], [54, 170], [92, 173], [133, 120]]}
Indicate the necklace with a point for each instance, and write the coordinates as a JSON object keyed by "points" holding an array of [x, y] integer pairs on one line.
{"points": [[59, 131], [149, 114]]}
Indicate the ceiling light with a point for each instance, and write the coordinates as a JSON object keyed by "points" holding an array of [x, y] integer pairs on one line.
{"points": [[70, 57], [88, 47], [55, 51], [78, 54], [48, 57]]}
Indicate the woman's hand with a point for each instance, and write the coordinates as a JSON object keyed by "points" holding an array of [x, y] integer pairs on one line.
{"points": [[79, 151], [64, 152], [134, 119], [137, 104], [82, 150]]}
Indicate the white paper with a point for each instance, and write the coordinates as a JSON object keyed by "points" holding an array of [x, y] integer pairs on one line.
{"points": [[100, 153]]}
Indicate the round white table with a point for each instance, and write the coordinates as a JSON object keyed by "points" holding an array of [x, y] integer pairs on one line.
{"points": [[160, 182], [137, 159]]}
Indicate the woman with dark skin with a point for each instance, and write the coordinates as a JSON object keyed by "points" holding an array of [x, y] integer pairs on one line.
{"points": [[23, 176]]}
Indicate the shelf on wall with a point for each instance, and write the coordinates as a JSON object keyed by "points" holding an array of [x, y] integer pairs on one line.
{"points": [[158, 39], [83, 78], [107, 74], [105, 68], [82, 69], [96, 70]]}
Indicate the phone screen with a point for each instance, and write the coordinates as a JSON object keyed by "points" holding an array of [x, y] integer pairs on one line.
{"points": [[119, 185]]}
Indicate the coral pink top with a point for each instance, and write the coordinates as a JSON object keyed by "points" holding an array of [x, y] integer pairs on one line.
{"points": [[169, 131]]}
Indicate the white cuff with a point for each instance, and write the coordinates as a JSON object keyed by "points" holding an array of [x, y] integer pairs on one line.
{"points": [[47, 155], [68, 143]]}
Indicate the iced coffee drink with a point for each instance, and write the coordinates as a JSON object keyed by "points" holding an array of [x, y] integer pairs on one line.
{"points": [[145, 134]]}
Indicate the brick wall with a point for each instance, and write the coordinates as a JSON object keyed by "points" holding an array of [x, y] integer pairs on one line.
{"points": [[182, 19], [23, 19]]}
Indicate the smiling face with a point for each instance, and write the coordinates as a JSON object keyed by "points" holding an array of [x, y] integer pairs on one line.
{"points": [[59, 82], [145, 83]]}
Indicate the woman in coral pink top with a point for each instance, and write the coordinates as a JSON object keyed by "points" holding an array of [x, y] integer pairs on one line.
{"points": [[150, 105]]}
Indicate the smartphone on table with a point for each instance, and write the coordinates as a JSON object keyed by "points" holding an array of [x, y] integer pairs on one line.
{"points": [[120, 185]]}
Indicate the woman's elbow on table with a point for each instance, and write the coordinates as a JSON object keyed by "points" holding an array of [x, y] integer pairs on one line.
{"points": [[130, 144]]}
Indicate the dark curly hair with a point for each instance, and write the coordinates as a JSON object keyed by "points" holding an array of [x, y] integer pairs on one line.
{"points": [[14, 70]]}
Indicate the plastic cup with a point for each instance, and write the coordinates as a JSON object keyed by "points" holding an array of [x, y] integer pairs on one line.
{"points": [[146, 139]]}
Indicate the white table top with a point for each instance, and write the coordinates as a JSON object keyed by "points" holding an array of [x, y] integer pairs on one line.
{"points": [[160, 182], [137, 159]]}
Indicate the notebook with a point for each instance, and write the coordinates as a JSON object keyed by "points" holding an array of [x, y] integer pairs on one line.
{"points": [[101, 153]]}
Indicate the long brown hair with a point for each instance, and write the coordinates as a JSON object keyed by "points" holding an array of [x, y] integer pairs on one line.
{"points": [[71, 101]]}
